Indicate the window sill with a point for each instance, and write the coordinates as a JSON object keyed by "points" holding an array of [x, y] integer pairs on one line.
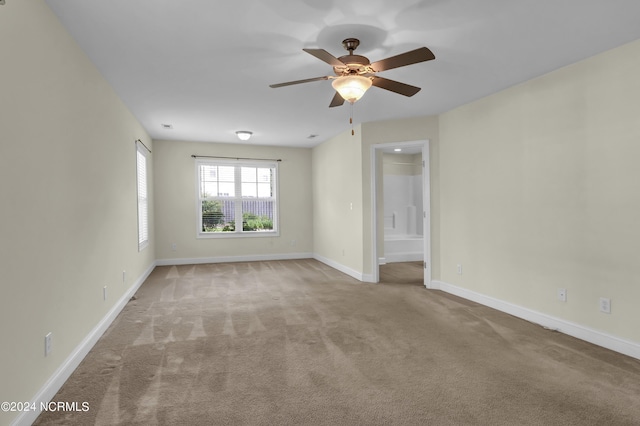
{"points": [[216, 235]]}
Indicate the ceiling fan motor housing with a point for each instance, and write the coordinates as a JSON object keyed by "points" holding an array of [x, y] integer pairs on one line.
{"points": [[353, 64]]}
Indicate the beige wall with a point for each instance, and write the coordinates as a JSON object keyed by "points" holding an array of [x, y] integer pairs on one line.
{"points": [[540, 189], [176, 214], [337, 200], [68, 194]]}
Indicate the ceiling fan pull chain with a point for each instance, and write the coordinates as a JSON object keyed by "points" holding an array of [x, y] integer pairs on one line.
{"points": [[351, 120]]}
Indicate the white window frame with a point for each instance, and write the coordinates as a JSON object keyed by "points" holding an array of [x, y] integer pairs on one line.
{"points": [[142, 190], [238, 164]]}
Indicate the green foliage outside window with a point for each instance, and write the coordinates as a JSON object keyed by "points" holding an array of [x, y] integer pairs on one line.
{"points": [[252, 222], [213, 217]]}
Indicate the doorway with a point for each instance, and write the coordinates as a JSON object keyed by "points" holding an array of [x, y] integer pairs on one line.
{"points": [[405, 220]]}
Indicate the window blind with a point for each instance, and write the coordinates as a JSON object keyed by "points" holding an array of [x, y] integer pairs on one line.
{"points": [[143, 198]]}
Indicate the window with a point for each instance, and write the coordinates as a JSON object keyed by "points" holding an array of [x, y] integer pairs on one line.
{"points": [[143, 200], [237, 198]]}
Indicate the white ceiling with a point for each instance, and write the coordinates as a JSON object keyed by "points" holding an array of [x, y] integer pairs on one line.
{"points": [[205, 66]]}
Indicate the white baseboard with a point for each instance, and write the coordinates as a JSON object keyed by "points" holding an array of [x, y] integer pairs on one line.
{"points": [[55, 382], [587, 334], [368, 278], [344, 269], [226, 259]]}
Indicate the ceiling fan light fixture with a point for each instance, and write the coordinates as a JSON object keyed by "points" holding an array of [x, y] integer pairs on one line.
{"points": [[244, 135], [351, 87]]}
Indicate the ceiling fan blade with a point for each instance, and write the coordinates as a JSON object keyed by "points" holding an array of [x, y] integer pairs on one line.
{"points": [[395, 86], [325, 56], [408, 58], [336, 101], [306, 80]]}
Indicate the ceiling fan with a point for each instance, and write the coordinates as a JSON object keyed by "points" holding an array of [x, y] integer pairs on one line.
{"points": [[355, 74]]}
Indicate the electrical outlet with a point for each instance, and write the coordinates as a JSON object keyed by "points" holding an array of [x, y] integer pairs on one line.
{"points": [[47, 344], [124, 276], [104, 292], [562, 294], [459, 269], [605, 305], [174, 247]]}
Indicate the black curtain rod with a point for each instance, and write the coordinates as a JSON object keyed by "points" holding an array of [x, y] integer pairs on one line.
{"points": [[138, 140], [234, 158]]}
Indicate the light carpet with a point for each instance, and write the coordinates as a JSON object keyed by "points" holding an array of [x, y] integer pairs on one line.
{"points": [[299, 343]]}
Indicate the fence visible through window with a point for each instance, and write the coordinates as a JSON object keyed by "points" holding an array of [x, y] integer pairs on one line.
{"points": [[219, 215]]}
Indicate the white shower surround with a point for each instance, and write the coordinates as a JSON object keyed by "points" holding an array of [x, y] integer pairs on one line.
{"points": [[402, 223]]}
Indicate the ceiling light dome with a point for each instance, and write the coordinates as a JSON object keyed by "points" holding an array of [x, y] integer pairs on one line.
{"points": [[351, 87], [244, 135]]}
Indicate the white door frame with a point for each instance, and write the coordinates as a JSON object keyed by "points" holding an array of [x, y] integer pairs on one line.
{"points": [[376, 151]]}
